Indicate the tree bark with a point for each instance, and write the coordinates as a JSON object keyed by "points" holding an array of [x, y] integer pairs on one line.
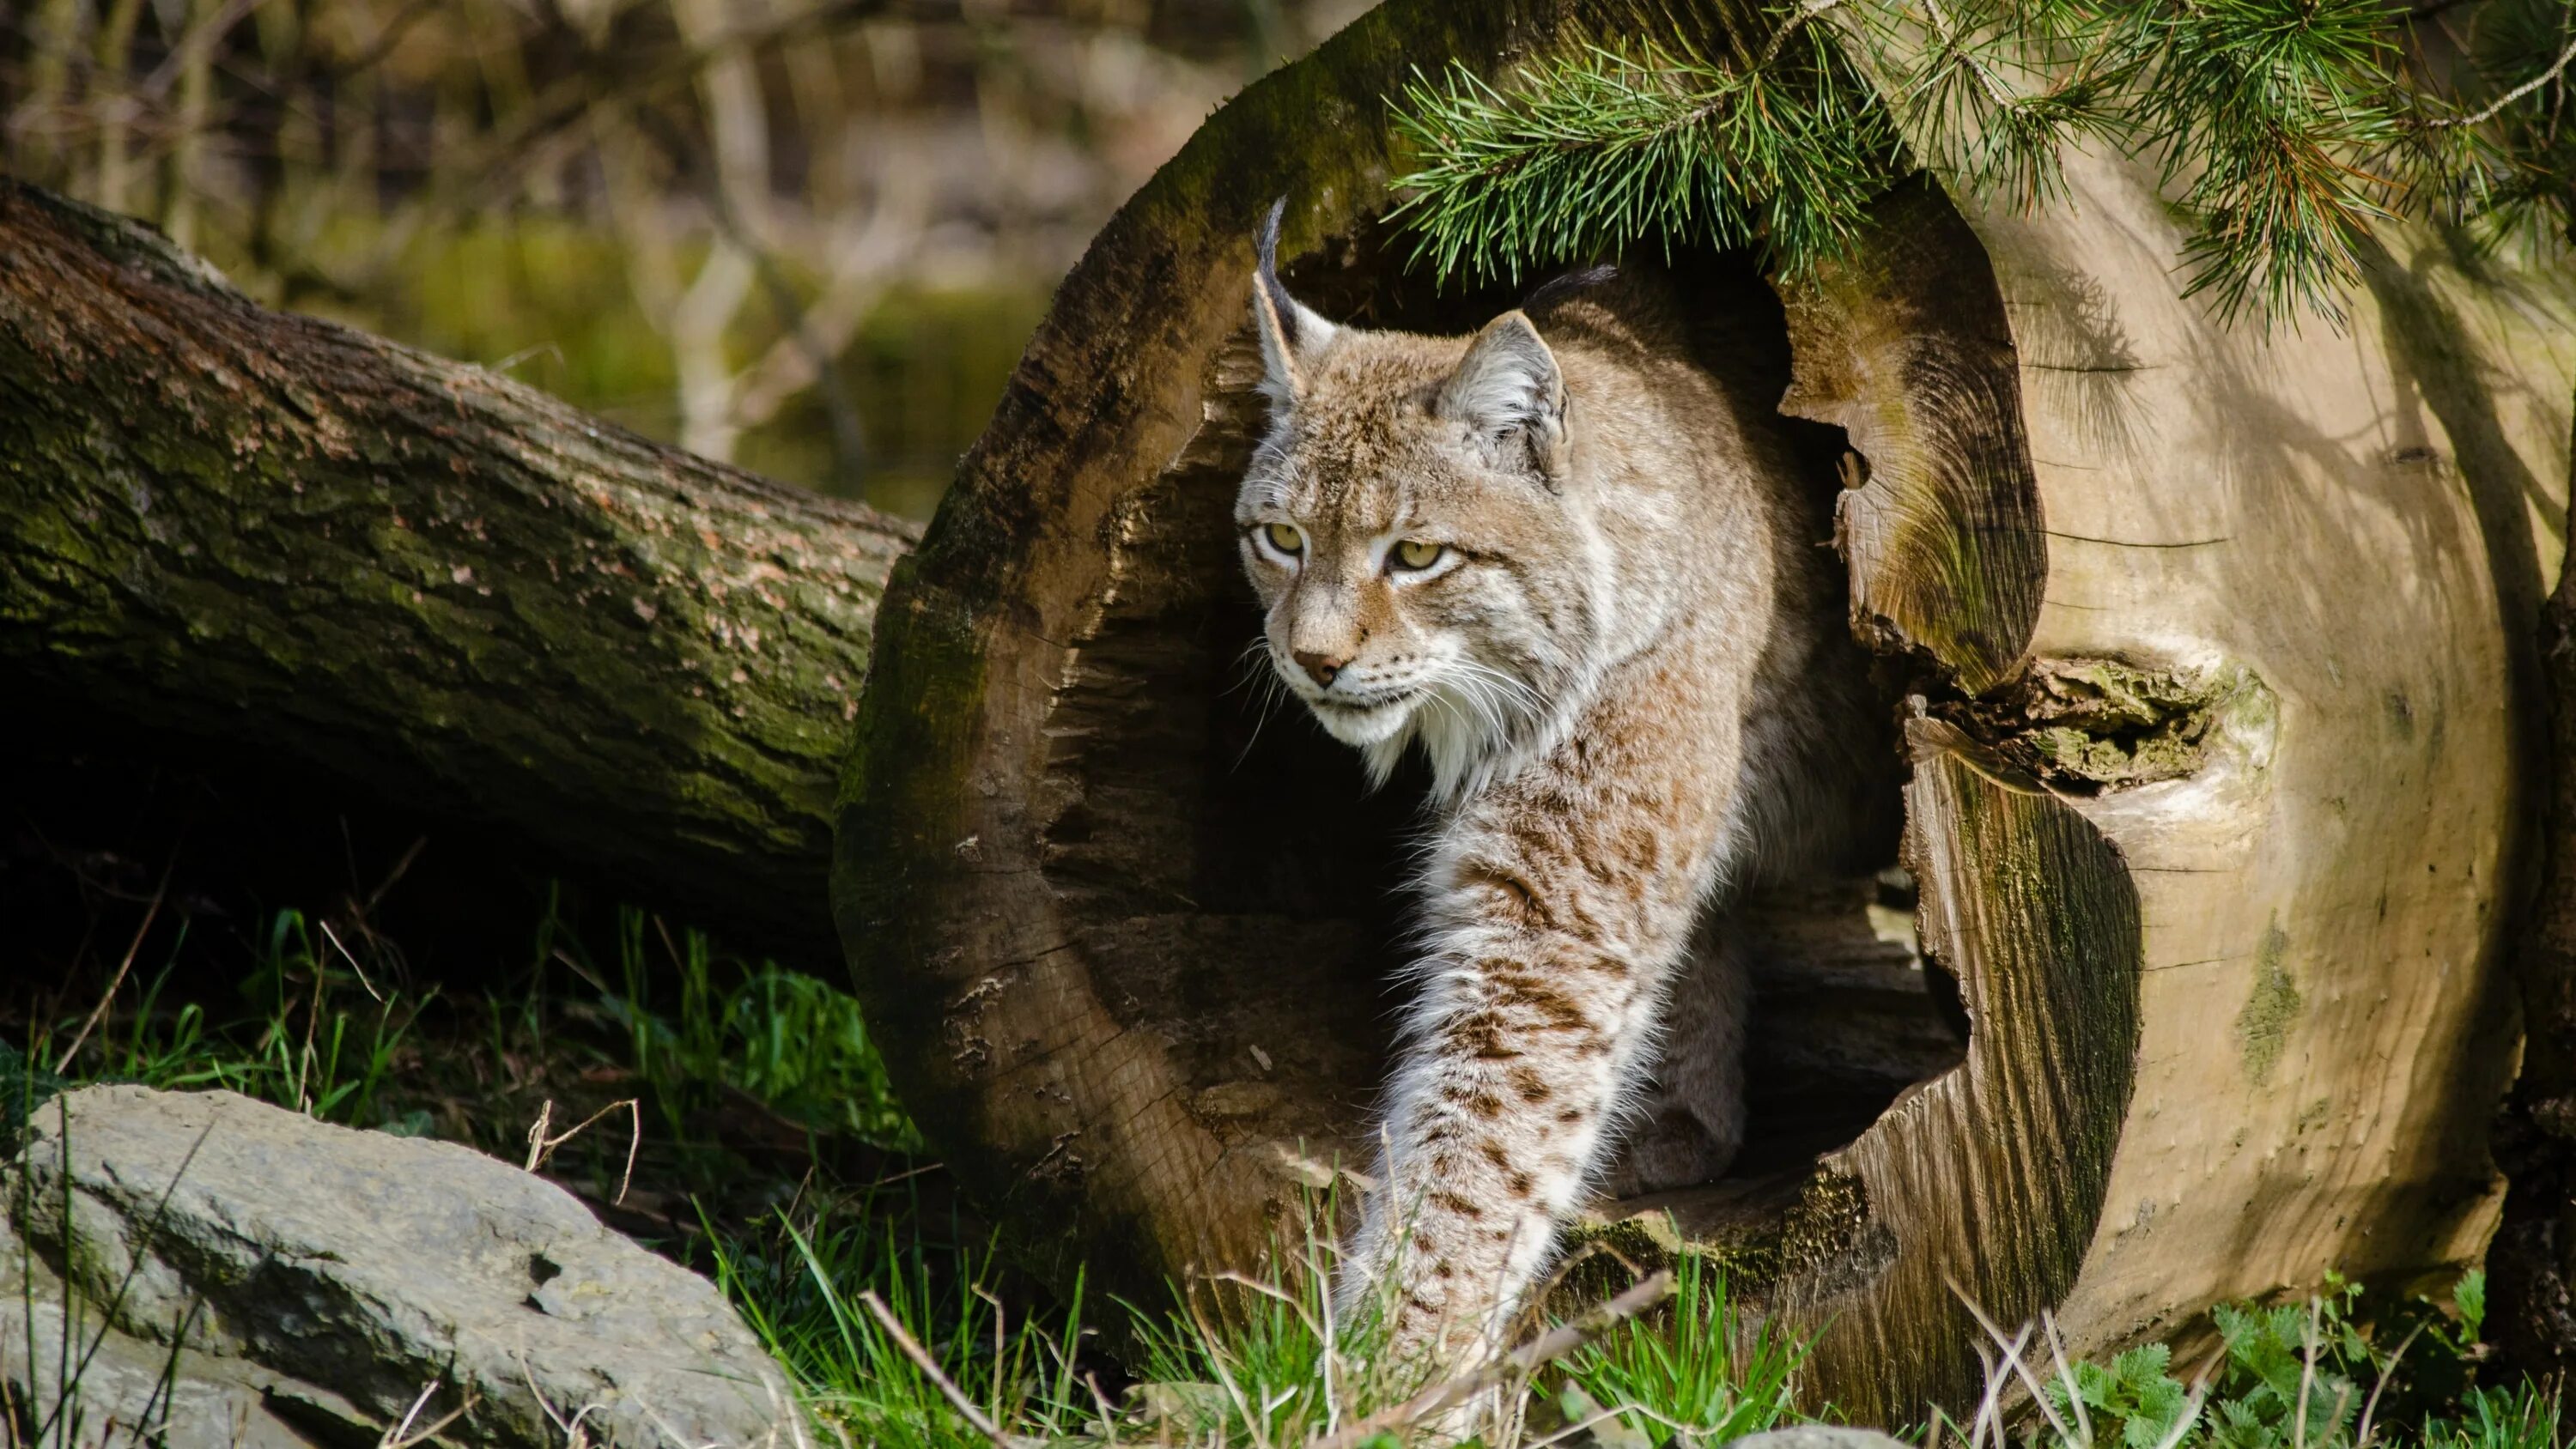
{"points": [[2208, 641], [449, 590], [2532, 1266]]}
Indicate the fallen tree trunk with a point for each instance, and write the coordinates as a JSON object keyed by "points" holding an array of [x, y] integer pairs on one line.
{"points": [[450, 590], [2215, 676]]}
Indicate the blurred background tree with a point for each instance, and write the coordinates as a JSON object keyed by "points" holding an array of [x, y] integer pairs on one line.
{"points": [[808, 236]]}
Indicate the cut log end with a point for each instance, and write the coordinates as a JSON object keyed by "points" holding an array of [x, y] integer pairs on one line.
{"points": [[1163, 912]]}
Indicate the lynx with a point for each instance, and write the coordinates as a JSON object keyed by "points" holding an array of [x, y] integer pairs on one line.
{"points": [[1583, 578]]}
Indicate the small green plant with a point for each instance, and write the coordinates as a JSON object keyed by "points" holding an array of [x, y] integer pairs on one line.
{"points": [[2293, 1376], [2341, 1371], [2133, 1399]]}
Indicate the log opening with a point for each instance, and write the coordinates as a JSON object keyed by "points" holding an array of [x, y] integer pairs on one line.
{"points": [[1236, 891], [1846, 1016]]}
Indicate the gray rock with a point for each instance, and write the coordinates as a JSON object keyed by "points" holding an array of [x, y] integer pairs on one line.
{"points": [[236, 1274]]}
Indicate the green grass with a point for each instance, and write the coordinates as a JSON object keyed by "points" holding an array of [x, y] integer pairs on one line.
{"points": [[306, 1037], [801, 1290], [796, 1044], [773, 1155], [1244, 1362], [1703, 1373], [2521, 1416]]}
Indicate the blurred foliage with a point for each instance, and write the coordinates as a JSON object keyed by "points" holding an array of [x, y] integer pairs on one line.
{"points": [[810, 236]]}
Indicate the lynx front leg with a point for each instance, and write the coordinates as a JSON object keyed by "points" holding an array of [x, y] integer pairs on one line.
{"points": [[1550, 951], [1500, 1106]]}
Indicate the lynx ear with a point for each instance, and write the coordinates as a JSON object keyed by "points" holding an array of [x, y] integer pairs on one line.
{"points": [[1291, 334], [1508, 387]]}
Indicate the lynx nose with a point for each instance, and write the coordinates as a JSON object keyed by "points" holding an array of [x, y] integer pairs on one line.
{"points": [[1319, 667]]}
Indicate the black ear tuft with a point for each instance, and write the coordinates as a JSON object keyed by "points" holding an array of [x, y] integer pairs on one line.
{"points": [[1557, 288], [1268, 275]]}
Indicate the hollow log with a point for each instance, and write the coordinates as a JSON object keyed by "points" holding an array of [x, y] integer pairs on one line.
{"points": [[441, 588], [2210, 647]]}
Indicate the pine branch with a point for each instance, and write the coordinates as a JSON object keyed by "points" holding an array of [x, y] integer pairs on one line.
{"points": [[2285, 130], [1609, 149]]}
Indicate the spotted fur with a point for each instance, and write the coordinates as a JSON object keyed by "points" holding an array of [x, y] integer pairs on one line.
{"points": [[1626, 668]]}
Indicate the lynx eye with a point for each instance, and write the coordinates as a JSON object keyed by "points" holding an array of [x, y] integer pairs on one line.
{"points": [[1284, 537], [1412, 554]]}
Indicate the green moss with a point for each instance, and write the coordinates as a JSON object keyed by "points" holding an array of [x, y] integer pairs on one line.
{"points": [[2103, 724], [2263, 1026], [1831, 1214], [1824, 1224]]}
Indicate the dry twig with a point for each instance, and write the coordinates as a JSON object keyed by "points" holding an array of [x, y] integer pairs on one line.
{"points": [[542, 1147], [97, 1013], [334, 938], [2370, 1410], [402, 1436], [975, 1417]]}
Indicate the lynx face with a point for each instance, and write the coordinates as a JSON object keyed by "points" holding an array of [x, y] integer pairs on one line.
{"points": [[1425, 571]]}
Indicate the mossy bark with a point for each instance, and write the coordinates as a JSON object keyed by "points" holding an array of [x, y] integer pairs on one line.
{"points": [[446, 589]]}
